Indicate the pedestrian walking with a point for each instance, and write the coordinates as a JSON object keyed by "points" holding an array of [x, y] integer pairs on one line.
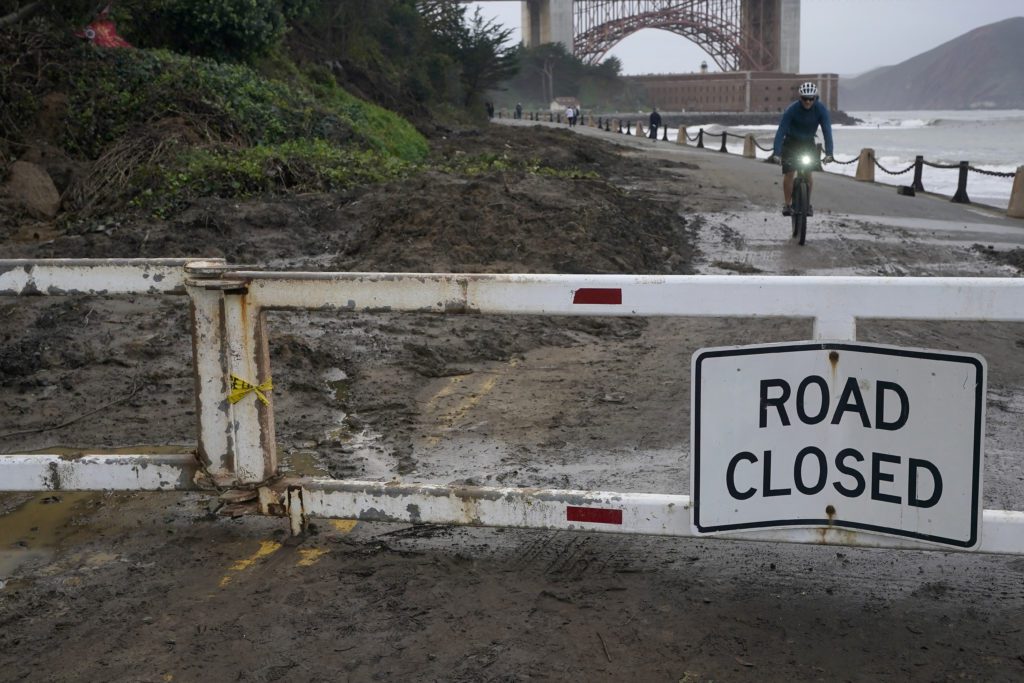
{"points": [[655, 123]]}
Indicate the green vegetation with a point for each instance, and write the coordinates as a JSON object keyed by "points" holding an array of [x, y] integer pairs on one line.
{"points": [[483, 164], [230, 30], [295, 166], [239, 133], [111, 92], [244, 97]]}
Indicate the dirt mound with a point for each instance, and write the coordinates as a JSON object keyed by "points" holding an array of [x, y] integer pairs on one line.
{"points": [[512, 223], [31, 188], [615, 218], [1011, 257], [560, 207]]}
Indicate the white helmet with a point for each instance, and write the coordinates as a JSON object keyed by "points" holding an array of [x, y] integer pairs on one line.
{"points": [[808, 90]]}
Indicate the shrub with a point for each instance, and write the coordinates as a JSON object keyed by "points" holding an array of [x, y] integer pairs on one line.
{"points": [[226, 30], [111, 92], [297, 166]]}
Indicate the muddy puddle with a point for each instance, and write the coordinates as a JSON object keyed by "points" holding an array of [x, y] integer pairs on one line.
{"points": [[31, 531], [760, 242]]}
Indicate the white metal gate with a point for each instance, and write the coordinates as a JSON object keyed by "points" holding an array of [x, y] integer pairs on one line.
{"points": [[236, 437]]}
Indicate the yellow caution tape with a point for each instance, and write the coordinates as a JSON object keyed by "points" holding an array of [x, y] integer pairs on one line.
{"points": [[239, 388]]}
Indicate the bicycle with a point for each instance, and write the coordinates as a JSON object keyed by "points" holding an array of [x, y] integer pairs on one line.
{"points": [[801, 198], [800, 206]]}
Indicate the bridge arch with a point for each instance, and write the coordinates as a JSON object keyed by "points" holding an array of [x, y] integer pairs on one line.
{"points": [[736, 34]]}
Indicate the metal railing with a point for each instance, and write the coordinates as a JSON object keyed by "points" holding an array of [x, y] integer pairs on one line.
{"points": [[236, 445]]}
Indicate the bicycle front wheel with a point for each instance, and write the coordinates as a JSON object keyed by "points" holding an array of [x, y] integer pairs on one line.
{"points": [[801, 203]]}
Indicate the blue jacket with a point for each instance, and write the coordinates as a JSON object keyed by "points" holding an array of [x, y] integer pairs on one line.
{"points": [[802, 124]]}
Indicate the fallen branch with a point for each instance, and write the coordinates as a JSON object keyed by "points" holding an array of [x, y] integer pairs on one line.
{"points": [[608, 656], [135, 389], [21, 14]]}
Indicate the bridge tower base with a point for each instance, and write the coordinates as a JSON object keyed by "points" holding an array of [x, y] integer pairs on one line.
{"points": [[548, 21]]}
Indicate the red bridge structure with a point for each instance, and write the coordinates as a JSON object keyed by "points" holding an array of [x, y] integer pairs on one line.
{"points": [[739, 35], [755, 43]]}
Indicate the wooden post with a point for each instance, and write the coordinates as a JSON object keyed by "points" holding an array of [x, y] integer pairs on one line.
{"points": [[866, 165], [1016, 207]]}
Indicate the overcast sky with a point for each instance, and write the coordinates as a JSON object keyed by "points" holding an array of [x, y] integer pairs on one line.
{"points": [[836, 36]]}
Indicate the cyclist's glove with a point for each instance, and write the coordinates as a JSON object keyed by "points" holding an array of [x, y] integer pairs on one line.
{"points": [[774, 159], [829, 159]]}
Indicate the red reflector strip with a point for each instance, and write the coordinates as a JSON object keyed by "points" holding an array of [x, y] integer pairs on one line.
{"points": [[595, 515], [590, 295]]}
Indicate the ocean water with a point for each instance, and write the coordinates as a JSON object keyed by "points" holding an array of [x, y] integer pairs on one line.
{"points": [[990, 140]]}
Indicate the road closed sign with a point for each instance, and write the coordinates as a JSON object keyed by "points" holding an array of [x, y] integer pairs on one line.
{"points": [[857, 436]]}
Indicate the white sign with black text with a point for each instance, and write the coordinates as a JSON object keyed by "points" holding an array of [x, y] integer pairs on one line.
{"points": [[858, 436]]}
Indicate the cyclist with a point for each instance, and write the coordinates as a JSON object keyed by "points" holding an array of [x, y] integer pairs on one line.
{"points": [[795, 138]]}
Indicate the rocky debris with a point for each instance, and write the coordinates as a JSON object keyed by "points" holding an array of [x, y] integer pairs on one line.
{"points": [[31, 188]]}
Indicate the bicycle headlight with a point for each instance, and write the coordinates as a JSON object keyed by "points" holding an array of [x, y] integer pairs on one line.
{"points": [[805, 160]]}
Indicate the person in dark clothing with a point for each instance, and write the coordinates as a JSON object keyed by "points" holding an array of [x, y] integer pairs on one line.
{"points": [[795, 138], [655, 123], [519, 110], [490, 110]]}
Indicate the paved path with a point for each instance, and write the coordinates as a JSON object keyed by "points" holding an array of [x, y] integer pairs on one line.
{"points": [[859, 228]]}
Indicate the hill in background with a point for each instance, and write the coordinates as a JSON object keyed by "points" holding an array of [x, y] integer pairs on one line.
{"points": [[982, 69]]}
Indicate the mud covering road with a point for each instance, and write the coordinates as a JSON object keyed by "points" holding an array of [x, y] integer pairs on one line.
{"points": [[160, 587]]}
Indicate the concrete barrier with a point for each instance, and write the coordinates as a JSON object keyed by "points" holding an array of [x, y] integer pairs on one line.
{"points": [[866, 165], [1016, 207], [749, 148], [681, 136]]}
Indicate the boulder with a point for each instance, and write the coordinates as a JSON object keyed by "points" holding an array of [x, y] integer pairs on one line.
{"points": [[31, 187]]}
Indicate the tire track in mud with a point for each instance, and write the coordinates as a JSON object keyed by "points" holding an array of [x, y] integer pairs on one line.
{"points": [[742, 570]]}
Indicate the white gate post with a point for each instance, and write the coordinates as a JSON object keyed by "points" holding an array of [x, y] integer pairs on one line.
{"points": [[236, 440], [248, 360], [211, 383]]}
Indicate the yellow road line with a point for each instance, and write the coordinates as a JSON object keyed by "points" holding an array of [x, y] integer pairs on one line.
{"points": [[310, 556], [448, 420], [344, 525], [266, 548], [447, 389]]}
